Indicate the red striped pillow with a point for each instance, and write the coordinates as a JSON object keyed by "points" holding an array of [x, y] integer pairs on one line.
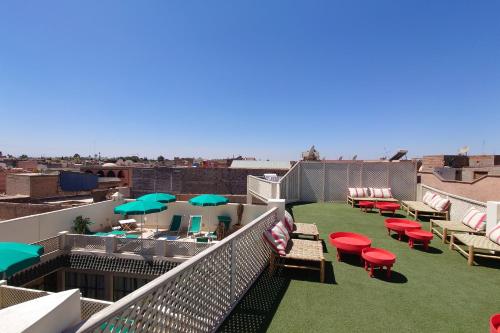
{"points": [[494, 234], [428, 197], [475, 219], [277, 236], [380, 192], [288, 221], [358, 192], [441, 204]]}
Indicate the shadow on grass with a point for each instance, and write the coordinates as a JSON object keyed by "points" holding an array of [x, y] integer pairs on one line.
{"points": [[352, 259], [256, 309], [396, 277]]}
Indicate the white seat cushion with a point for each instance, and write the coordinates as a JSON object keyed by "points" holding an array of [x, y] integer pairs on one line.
{"points": [[427, 198]]}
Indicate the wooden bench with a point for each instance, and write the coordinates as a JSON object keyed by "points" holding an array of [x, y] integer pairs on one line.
{"points": [[301, 254]]}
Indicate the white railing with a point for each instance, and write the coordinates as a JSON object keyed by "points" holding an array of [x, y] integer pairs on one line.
{"points": [[262, 188], [197, 295], [290, 184], [10, 295], [459, 205], [50, 245], [141, 246]]}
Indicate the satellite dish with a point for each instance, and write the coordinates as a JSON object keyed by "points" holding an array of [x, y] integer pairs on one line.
{"points": [[463, 151], [355, 157]]}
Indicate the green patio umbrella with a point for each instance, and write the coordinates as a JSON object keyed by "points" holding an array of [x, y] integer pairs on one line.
{"points": [[140, 208], [160, 197], [207, 200]]}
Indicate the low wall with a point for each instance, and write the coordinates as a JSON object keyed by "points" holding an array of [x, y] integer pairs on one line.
{"points": [[12, 210], [193, 180], [209, 214], [483, 189], [33, 228]]}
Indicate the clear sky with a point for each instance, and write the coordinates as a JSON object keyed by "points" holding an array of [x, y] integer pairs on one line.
{"points": [[258, 78]]}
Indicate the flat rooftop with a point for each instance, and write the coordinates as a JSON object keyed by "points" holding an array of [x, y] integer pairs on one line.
{"points": [[431, 291]]}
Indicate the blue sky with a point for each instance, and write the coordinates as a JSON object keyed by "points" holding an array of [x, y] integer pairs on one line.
{"points": [[258, 78]]}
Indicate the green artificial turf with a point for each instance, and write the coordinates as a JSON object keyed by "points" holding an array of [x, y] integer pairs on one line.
{"points": [[434, 291]]}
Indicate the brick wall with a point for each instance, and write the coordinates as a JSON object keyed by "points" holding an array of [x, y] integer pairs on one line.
{"points": [[11, 210], [37, 186], [193, 180]]}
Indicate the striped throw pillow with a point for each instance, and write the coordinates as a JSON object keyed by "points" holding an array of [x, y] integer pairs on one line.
{"points": [[358, 192], [428, 196], [277, 236], [288, 221], [380, 192], [494, 234], [475, 219], [441, 204]]}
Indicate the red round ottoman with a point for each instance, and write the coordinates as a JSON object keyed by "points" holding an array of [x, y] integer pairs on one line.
{"points": [[400, 225], [495, 323], [375, 257], [365, 205], [387, 207], [349, 242], [419, 235]]}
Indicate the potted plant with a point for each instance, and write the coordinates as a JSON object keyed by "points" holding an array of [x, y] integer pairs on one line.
{"points": [[81, 225]]}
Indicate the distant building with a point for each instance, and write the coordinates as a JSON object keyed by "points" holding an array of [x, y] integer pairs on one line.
{"points": [[29, 165], [111, 170]]}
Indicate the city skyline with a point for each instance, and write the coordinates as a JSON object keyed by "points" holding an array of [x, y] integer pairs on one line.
{"points": [[260, 79]]}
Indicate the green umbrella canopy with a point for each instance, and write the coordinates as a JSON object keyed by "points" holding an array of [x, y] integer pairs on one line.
{"points": [[140, 208], [208, 200], [160, 197]]}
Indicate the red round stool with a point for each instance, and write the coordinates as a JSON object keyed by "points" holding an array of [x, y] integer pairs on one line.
{"points": [[375, 257], [495, 323], [365, 205], [349, 242], [422, 236], [387, 207], [400, 225]]}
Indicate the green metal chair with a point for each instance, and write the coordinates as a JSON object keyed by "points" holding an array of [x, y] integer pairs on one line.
{"points": [[195, 222]]}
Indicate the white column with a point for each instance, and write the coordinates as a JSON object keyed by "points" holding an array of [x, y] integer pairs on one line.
{"points": [[110, 244], [278, 203], [493, 214], [62, 239]]}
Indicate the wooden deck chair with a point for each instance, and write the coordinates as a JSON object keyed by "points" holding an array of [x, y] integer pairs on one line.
{"points": [[448, 227], [195, 222], [474, 246]]}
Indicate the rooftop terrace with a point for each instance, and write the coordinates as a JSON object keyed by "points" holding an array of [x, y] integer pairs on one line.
{"points": [[432, 291]]}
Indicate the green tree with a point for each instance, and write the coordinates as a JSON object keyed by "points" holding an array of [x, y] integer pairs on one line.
{"points": [[161, 158], [23, 156]]}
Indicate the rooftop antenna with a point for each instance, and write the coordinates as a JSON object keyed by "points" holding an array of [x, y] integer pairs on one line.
{"points": [[463, 151]]}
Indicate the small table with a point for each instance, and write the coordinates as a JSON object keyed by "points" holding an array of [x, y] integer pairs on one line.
{"points": [[375, 257], [348, 242], [400, 226], [365, 205], [387, 207], [419, 235]]}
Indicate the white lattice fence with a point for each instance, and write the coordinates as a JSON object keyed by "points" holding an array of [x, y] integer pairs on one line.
{"points": [[459, 205], [328, 181], [289, 184], [336, 179], [145, 247], [49, 244], [185, 249], [85, 242], [197, 295]]}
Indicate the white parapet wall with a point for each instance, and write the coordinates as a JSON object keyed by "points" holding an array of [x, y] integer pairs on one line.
{"points": [[33, 228]]}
